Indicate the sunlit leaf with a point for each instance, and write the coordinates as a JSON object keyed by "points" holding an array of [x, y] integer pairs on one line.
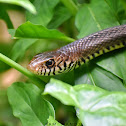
{"points": [[23, 3], [29, 30], [94, 105]]}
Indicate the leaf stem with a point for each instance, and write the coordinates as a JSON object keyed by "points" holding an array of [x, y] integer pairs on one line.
{"points": [[24, 71], [71, 6]]}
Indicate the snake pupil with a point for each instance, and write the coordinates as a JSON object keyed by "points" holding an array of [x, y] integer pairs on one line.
{"points": [[50, 63]]}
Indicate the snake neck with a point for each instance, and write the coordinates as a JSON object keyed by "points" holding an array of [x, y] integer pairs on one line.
{"points": [[82, 51]]}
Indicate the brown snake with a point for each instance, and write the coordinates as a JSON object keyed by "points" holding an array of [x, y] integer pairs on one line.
{"points": [[75, 54]]}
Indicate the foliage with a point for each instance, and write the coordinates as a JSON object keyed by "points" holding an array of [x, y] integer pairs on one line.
{"points": [[93, 105], [96, 89]]}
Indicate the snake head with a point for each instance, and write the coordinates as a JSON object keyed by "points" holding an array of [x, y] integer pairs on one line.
{"points": [[47, 63]]}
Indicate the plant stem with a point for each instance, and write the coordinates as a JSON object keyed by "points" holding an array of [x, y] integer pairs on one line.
{"points": [[71, 6], [24, 71]]}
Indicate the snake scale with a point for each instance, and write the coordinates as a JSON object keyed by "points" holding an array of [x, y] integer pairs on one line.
{"points": [[79, 52]]}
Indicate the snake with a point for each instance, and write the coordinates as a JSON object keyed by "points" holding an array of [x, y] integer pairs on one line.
{"points": [[79, 52]]}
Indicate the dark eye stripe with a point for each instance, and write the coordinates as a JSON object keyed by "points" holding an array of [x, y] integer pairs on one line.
{"points": [[41, 71], [97, 52], [79, 63], [88, 57], [54, 71], [108, 47], [59, 67], [71, 67], [124, 43], [83, 59], [59, 62], [65, 65], [93, 55], [70, 64], [49, 72], [45, 72], [103, 51]]}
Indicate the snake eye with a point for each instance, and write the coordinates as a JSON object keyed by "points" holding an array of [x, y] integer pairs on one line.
{"points": [[50, 63]]}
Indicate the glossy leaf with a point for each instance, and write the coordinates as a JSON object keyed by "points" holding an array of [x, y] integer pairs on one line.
{"points": [[29, 30], [28, 105], [94, 105], [23, 3], [44, 12]]}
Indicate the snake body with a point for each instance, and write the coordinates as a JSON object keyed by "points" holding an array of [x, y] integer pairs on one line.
{"points": [[79, 52]]}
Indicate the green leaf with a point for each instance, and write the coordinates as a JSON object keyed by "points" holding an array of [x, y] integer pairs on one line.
{"points": [[94, 105], [5, 48], [20, 48], [44, 12], [112, 61], [29, 30], [71, 6], [28, 105], [95, 16], [53, 122], [4, 15], [124, 4], [95, 75], [23, 3], [61, 14]]}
